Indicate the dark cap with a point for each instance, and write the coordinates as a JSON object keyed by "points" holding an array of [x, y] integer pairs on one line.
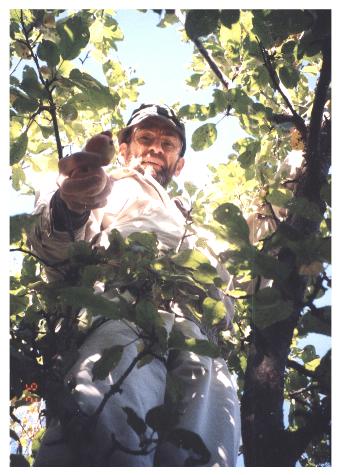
{"points": [[163, 112]]}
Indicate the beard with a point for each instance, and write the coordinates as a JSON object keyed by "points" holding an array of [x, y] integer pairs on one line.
{"points": [[162, 175]]}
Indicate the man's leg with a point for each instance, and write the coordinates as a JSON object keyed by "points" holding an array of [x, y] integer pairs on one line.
{"points": [[143, 389], [210, 406]]}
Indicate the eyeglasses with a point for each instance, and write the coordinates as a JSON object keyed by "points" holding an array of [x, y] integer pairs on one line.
{"points": [[169, 143]]}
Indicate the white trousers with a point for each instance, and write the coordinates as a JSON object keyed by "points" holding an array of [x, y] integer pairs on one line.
{"points": [[210, 405]]}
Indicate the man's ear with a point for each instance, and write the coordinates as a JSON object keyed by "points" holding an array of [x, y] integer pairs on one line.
{"points": [[179, 166], [122, 151]]}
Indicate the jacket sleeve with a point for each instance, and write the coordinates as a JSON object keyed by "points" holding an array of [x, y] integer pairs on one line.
{"points": [[53, 231]]}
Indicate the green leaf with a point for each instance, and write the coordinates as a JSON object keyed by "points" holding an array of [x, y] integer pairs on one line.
{"points": [[46, 131], [190, 188], [205, 274], [74, 36], [19, 225], [48, 51], [18, 176], [94, 93], [69, 112], [18, 303], [289, 76], [279, 198], [107, 362], [23, 104], [269, 308], [188, 440], [269, 267], [248, 156], [30, 83], [288, 47], [229, 17], [235, 226], [18, 148], [200, 347], [194, 111], [159, 418], [201, 22], [29, 270], [313, 364], [204, 137], [147, 315], [136, 423], [239, 100], [318, 321], [190, 259], [37, 439], [146, 241], [220, 100], [178, 341], [214, 311], [308, 354], [305, 208], [309, 45], [84, 297]]}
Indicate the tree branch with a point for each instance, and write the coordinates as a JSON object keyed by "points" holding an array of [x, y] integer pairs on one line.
{"points": [[210, 61], [52, 108], [296, 119], [300, 368], [26, 251], [208, 58], [318, 105], [116, 387]]}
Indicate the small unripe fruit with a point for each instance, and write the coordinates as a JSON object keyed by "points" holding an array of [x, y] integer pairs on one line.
{"points": [[49, 20], [296, 140], [22, 50], [103, 145], [45, 72]]}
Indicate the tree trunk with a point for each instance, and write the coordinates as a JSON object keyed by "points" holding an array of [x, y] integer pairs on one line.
{"points": [[265, 440]]}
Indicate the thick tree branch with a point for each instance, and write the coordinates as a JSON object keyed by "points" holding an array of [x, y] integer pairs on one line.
{"points": [[318, 105]]}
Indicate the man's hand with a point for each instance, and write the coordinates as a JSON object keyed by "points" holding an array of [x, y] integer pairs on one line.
{"points": [[82, 181]]}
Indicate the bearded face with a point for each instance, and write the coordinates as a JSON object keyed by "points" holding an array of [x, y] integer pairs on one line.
{"points": [[154, 148]]}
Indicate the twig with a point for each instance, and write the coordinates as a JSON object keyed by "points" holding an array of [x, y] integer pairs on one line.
{"points": [[116, 387], [118, 445], [273, 215], [26, 251], [298, 392], [13, 71], [86, 57]]}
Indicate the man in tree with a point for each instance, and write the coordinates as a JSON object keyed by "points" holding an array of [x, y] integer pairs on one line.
{"points": [[88, 205]]}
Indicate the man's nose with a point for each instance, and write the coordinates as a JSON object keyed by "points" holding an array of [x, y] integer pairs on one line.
{"points": [[156, 145]]}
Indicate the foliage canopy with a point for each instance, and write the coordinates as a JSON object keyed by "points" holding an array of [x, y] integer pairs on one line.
{"points": [[271, 70]]}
